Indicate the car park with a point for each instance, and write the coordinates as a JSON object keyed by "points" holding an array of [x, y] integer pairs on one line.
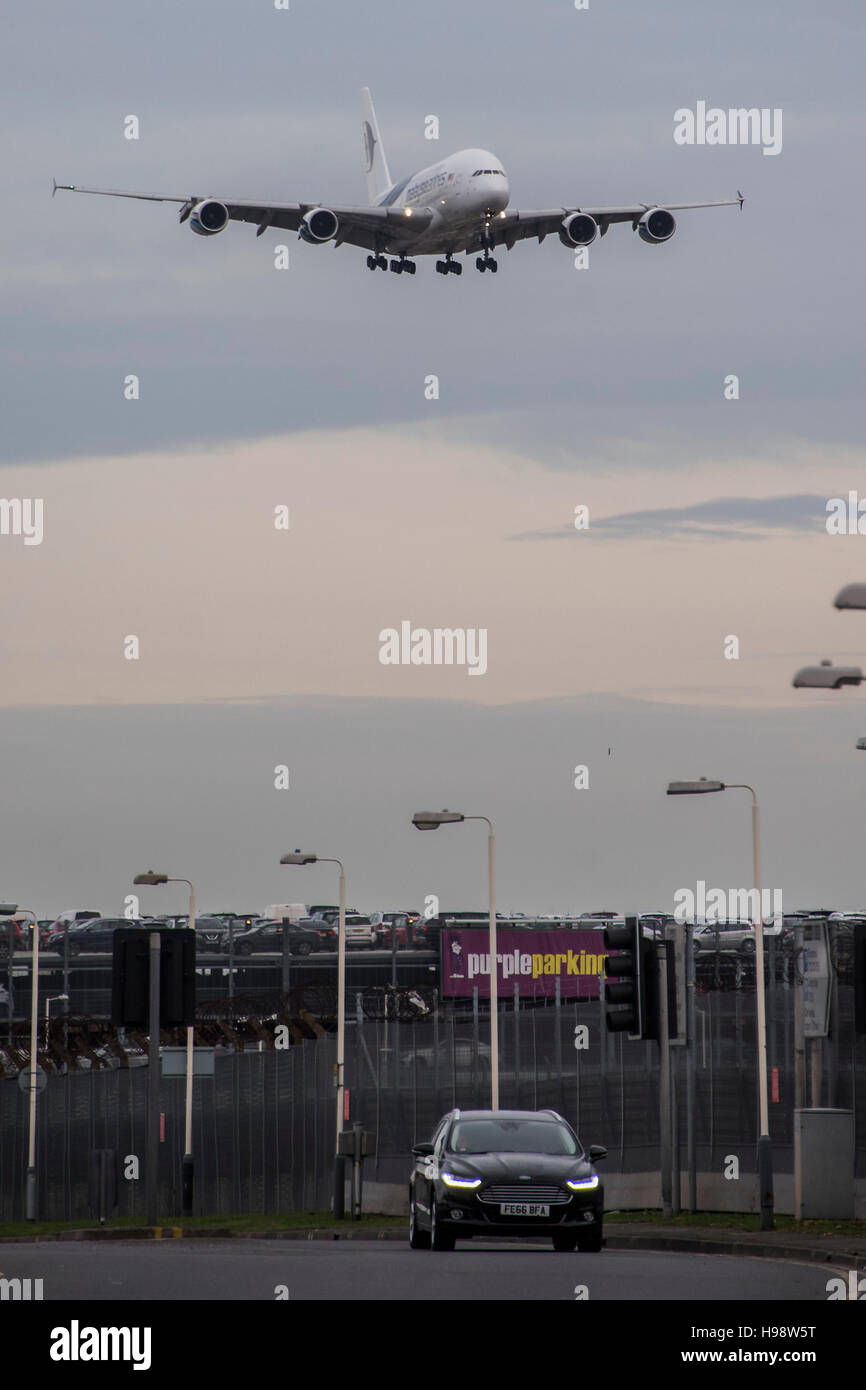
{"points": [[511, 1173]]}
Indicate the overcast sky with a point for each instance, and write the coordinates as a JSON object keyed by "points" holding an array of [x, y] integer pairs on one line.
{"points": [[559, 388]]}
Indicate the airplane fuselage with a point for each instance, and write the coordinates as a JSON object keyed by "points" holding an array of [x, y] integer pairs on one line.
{"points": [[461, 191]]}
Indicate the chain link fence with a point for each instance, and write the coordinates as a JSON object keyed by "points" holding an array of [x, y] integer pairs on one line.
{"points": [[264, 1124]]}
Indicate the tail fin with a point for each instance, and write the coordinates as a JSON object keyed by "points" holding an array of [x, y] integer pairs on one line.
{"points": [[378, 177]]}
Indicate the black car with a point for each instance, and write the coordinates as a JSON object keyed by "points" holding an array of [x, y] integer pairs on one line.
{"points": [[96, 935], [505, 1173], [305, 937], [210, 933]]}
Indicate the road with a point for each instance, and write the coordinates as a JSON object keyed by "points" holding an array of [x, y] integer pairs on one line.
{"points": [[383, 1271]]}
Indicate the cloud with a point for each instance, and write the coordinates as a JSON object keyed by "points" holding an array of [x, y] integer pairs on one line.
{"points": [[722, 518]]}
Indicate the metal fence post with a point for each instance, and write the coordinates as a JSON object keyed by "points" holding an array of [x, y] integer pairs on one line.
{"points": [[475, 1045], [517, 1062]]}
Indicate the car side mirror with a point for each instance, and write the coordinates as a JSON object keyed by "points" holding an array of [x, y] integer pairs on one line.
{"points": [[422, 1150], [596, 1152]]}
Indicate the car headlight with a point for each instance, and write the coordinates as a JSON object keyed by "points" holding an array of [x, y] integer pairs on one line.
{"points": [[582, 1184], [452, 1180]]}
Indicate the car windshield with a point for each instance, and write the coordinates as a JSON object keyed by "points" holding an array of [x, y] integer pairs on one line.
{"points": [[511, 1136]]}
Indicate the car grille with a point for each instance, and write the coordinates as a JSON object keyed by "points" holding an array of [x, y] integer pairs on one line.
{"points": [[524, 1192]]}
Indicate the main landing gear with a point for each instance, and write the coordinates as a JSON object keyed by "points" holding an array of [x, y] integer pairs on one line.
{"points": [[381, 262], [486, 262], [443, 267]]}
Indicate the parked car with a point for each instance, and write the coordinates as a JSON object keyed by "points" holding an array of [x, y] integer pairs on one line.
{"points": [[505, 1173], [93, 936], [21, 926], [361, 930], [392, 924], [328, 912], [211, 933], [304, 938], [74, 915], [732, 936]]}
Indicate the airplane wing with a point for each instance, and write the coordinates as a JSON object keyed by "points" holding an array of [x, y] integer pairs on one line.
{"points": [[514, 226], [360, 226]]}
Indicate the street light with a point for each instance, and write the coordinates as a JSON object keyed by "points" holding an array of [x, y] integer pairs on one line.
{"points": [[152, 880], [431, 820], [852, 596], [34, 1045], [301, 858], [765, 1152], [827, 677]]}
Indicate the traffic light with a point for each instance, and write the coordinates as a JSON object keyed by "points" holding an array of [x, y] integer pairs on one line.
{"points": [[860, 977], [631, 981]]}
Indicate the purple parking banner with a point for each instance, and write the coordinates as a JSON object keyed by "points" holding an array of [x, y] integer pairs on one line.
{"points": [[534, 960]]}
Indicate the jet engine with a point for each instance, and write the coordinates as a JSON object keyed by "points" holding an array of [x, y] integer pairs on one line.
{"points": [[578, 230], [656, 225], [209, 217], [318, 225]]}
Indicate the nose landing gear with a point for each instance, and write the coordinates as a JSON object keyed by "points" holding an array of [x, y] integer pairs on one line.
{"points": [[486, 262]]}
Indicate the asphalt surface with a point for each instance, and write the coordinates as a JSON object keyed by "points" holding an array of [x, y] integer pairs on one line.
{"points": [[387, 1270]]}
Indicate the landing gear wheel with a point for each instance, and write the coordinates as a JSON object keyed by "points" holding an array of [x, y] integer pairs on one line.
{"points": [[439, 1239], [382, 262], [410, 267], [418, 1239], [397, 267], [455, 268], [480, 264], [493, 265], [371, 262], [442, 267]]}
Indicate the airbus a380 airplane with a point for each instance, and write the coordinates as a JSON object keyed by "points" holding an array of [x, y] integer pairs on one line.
{"points": [[459, 204]]}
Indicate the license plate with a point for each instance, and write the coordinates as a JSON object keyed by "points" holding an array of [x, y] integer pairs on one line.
{"points": [[524, 1209]]}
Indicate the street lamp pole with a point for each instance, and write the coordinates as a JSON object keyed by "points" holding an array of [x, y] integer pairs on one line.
{"points": [[34, 1044], [188, 1165], [764, 1147], [300, 857], [431, 820]]}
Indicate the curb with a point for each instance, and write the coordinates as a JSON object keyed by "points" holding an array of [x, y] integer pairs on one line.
{"points": [[767, 1250]]}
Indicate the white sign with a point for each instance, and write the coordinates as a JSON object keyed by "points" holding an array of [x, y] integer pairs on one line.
{"points": [[816, 969]]}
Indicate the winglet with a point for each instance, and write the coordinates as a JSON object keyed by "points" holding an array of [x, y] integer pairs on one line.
{"points": [[741, 198]]}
